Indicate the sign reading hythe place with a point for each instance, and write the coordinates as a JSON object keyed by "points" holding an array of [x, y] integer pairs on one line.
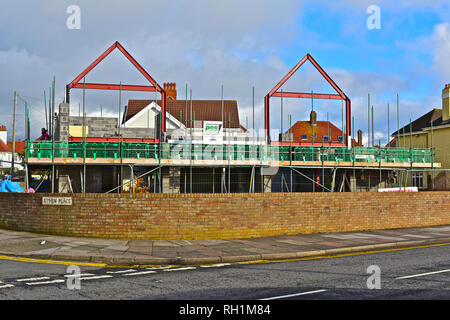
{"points": [[57, 201]]}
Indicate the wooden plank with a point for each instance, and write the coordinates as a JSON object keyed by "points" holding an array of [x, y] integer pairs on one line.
{"points": [[183, 162]]}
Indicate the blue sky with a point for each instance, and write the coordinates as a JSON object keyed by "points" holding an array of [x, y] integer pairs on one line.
{"points": [[238, 44], [340, 39]]}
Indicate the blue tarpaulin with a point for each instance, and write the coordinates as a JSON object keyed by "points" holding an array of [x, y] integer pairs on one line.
{"points": [[9, 186]]}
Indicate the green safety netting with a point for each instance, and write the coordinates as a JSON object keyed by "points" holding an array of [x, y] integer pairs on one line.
{"points": [[110, 150]]}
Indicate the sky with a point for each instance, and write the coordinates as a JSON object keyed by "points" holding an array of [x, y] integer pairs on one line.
{"points": [[235, 44]]}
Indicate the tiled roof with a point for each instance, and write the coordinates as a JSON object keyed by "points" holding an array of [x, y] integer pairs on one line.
{"points": [[424, 121], [4, 147], [204, 110], [392, 143], [301, 128], [440, 122], [20, 145]]}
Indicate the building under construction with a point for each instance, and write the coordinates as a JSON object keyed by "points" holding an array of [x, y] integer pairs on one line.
{"points": [[168, 145]]}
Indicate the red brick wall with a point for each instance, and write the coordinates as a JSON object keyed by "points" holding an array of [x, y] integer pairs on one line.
{"points": [[212, 216]]}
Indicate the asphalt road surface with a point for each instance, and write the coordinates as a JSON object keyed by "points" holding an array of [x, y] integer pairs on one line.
{"points": [[422, 273]]}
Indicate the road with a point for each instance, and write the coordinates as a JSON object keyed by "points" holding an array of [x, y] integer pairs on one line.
{"points": [[422, 273]]}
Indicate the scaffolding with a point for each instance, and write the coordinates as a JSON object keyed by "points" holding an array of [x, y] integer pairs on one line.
{"points": [[40, 150], [223, 166], [232, 167]]}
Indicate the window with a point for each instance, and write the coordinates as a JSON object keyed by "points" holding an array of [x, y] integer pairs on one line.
{"points": [[304, 137], [340, 138], [417, 180], [326, 138]]}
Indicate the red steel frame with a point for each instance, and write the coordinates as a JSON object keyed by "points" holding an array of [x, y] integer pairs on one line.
{"points": [[101, 86], [339, 96]]}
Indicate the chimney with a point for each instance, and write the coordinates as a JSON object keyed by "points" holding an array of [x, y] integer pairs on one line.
{"points": [[360, 134], [313, 118], [171, 90], [3, 134], [446, 102]]}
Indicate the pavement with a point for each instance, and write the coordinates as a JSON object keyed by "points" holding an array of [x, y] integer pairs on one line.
{"points": [[112, 252]]}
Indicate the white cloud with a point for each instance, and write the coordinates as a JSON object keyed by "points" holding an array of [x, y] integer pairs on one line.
{"points": [[202, 43], [21, 69], [441, 51]]}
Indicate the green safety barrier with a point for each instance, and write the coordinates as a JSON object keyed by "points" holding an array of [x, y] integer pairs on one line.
{"points": [[115, 150]]}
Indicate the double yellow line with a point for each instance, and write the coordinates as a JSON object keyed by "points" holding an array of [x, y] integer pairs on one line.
{"points": [[341, 255], [103, 265], [87, 264]]}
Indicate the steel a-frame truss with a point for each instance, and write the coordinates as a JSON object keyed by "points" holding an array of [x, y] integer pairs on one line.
{"points": [[340, 95], [101, 86]]}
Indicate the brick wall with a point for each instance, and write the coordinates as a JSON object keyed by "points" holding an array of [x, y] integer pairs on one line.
{"points": [[209, 216]]}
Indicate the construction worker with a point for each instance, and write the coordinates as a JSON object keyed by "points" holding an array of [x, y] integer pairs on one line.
{"points": [[44, 135]]}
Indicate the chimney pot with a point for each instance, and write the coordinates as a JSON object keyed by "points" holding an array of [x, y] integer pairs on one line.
{"points": [[360, 135], [171, 91], [313, 118]]}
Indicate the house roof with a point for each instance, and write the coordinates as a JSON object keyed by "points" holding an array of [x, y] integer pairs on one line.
{"points": [[392, 143], [424, 121], [439, 122], [320, 130], [4, 147], [20, 146], [204, 110]]}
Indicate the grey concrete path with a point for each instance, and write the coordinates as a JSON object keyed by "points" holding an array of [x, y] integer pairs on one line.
{"points": [[194, 252]]}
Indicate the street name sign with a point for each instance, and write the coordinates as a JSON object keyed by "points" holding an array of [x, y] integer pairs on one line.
{"points": [[57, 201]]}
